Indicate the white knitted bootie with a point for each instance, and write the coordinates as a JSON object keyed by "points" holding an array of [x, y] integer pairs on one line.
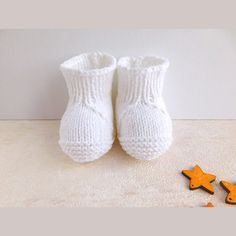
{"points": [[143, 124], [86, 131]]}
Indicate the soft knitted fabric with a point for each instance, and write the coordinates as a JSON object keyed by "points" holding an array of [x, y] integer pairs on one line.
{"points": [[86, 130], [143, 124]]}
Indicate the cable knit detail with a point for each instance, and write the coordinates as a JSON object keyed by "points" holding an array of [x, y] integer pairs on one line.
{"points": [[86, 130], [144, 126]]}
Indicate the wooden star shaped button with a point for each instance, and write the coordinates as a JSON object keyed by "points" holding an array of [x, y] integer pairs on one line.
{"points": [[199, 179], [231, 189], [209, 205]]}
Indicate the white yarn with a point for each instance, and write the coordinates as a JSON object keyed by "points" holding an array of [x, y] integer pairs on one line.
{"points": [[143, 124], [86, 130]]}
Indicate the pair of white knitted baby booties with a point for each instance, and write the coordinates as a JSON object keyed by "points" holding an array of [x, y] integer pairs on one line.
{"points": [[144, 127]]}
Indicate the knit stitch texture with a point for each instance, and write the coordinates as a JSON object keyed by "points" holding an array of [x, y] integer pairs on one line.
{"points": [[86, 130], [143, 124]]}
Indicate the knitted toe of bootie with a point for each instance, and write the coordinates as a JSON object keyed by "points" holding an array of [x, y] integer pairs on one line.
{"points": [[86, 129], [85, 152], [85, 135], [145, 132], [145, 148], [144, 126]]}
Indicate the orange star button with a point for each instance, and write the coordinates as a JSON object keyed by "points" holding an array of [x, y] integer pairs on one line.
{"points": [[231, 189], [210, 205], [199, 179]]}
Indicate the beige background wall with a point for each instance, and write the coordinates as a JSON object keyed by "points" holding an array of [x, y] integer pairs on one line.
{"points": [[200, 83]]}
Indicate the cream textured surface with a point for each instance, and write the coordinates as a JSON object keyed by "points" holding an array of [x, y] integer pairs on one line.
{"points": [[34, 172]]}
